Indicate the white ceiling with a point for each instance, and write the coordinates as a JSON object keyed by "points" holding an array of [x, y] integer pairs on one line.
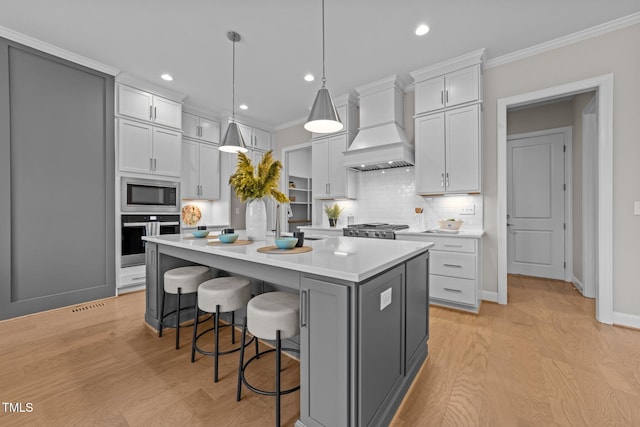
{"points": [[366, 40]]}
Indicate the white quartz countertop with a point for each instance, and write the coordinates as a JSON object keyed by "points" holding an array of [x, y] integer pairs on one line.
{"points": [[347, 258], [320, 227], [475, 234]]}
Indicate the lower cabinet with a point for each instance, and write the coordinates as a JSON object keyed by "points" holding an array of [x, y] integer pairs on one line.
{"points": [[364, 344], [454, 271]]}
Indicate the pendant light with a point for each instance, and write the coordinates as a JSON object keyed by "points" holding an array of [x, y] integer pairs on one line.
{"points": [[323, 117], [233, 142]]}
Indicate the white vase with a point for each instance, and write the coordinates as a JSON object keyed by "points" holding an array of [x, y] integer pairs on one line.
{"points": [[256, 219]]}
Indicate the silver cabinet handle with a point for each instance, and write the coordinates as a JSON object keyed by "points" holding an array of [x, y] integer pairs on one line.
{"points": [[150, 112], [457, 291], [155, 113], [151, 164], [442, 97], [452, 265], [447, 96], [447, 180], [452, 246], [137, 278], [303, 309], [155, 164], [442, 180]]}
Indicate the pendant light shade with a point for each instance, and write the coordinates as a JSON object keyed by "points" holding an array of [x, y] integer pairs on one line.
{"points": [[323, 117], [233, 141]]}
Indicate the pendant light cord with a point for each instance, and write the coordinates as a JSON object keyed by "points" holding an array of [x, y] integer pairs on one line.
{"points": [[233, 83], [323, 67]]}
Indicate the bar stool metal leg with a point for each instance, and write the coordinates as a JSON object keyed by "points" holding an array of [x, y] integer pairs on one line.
{"points": [[217, 341], [241, 364], [178, 320], [278, 354], [164, 294]]}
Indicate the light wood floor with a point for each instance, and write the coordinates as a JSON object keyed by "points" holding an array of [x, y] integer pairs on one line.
{"points": [[541, 360]]}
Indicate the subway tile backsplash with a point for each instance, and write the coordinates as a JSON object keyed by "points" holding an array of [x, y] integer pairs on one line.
{"points": [[390, 196]]}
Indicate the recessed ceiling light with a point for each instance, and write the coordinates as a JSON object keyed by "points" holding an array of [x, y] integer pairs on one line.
{"points": [[309, 77], [244, 107], [422, 30], [167, 77]]}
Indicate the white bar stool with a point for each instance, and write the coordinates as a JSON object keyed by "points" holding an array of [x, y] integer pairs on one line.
{"points": [[220, 295], [181, 281], [270, 316]]}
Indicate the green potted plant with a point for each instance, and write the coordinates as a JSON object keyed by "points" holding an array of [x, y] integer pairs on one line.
{"points": [[333, 213], [253, 185]]}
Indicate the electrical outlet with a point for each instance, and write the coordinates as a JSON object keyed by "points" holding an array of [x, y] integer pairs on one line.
{"points": [[385, 299], [468, 210]]}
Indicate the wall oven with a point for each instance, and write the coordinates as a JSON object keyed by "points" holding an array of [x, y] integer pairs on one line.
{"points": [[144, 195], [134, 227]]}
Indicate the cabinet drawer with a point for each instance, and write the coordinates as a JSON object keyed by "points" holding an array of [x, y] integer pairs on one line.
{"points": [[453, 289], [453, 264], [452, 244], [132, 276]]}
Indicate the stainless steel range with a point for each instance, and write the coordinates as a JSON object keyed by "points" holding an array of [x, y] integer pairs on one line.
{"points": [[375, 230]]}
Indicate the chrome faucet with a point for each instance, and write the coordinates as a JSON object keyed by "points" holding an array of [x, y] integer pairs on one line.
{"points": [[278, 230]]}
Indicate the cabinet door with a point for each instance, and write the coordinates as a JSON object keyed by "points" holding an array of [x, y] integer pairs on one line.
{"points": [[135, 146], [320, 169], [337, 172], [261, 140], [166, 152], [209, 166], [135, 103], [190, 125], [189, 170], [463, 150], [324, 343], [430, 152], [209, 130], [463, 86], [247, 134], [167, 112], [429, 95]]}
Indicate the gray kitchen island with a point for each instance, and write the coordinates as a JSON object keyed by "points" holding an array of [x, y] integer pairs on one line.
{"points": [[364, 318]]}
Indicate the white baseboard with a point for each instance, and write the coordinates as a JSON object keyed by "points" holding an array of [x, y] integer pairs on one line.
{"points": [[489, 296], [578, 284], [628, 320]]}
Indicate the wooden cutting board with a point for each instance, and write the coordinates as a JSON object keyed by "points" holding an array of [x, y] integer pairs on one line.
{"points": [[275, 250], [236, 243]]}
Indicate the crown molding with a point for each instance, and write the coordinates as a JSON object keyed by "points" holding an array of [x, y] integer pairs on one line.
{"points": [[298, 122], [138, 83], [56, 51], [596, 31]]}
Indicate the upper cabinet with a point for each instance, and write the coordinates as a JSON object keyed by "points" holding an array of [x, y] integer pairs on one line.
{"points": [[254, 138], [347, 109], [141, 105], [330, 179], [449, 90], [147, 149], [448, 106], [200, 171], [200, 128]]}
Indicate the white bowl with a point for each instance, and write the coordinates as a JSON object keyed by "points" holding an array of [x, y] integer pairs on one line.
{"points": [[446, 224]]}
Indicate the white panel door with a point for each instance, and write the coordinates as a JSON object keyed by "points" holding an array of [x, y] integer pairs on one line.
{"points": [[134, 145], [135, 103], [337, 171], [167, 112], [189, 170], [463, 86], [209, 130], [462, 173], [320, 168], [190, 125], [430, 95], [430, 154], [535, 206], [261, 140], [209, 166], [166, 152]]}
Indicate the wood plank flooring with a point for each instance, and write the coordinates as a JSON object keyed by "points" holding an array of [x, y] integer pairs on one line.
{"points": [[540, 360]]}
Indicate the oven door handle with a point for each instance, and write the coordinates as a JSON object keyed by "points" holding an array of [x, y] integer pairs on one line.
{"points": [[169, 223], [134, 224]]}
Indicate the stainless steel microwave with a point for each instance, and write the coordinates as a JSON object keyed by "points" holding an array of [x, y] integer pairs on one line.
{"points": [[145, 195]]}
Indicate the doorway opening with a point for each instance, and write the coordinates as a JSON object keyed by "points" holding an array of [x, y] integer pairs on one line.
{"points": [[602, 207]]}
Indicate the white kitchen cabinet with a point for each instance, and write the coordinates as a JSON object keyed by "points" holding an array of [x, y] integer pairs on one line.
{"points": [[254, 138], [200, 128], [148, 149], [200, 178], [454, 270], [447, 148], [330, 179], [146, 106], [449, 90]]}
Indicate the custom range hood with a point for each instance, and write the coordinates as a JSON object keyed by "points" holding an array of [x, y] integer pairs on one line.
{"points": [[381, 142]]}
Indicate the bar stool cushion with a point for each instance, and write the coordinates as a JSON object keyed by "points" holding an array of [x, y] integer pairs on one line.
{"points": [[187, 278], [272, 311], [230, 293]]}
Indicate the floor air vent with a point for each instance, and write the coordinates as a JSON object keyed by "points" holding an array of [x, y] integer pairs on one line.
{"points": [[87, 307]]}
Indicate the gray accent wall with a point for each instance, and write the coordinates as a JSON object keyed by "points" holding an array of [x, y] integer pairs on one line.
{"points": [[57, 212]]}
